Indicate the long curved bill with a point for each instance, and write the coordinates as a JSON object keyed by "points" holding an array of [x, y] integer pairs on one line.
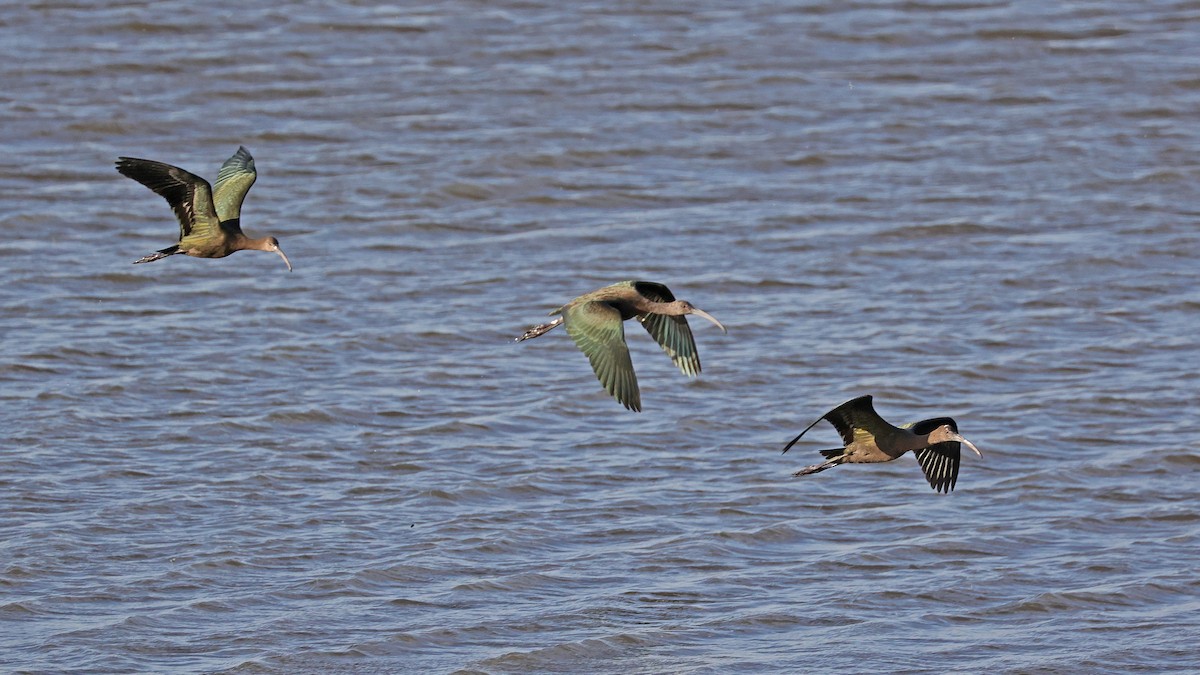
{"points": [[710, 317], [285, 260], [967, 443]]}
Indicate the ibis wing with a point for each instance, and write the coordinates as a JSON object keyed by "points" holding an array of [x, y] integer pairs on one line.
{"points": [[189, 195], [927, 426], [654, 291], [940, 461], [855, 419], [234, 179], [597, 330], [672, 333], [793, 441]]}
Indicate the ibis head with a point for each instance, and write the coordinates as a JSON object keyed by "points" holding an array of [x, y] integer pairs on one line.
{"points": [[945, 433], [273, 245], [685, 307]]}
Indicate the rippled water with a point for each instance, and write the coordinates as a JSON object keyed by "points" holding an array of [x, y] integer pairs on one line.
{"points": [[979, 209]]}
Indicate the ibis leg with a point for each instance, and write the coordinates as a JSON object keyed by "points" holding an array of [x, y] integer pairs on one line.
{"points": [[818, 468], [170, 250], [539, 330]]}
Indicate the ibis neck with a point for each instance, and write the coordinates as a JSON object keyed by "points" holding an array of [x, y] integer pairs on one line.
{"points": [[910, 441], [651, 307]]}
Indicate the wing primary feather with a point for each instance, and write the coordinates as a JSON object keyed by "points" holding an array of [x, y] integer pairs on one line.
{"points": [[793, 441]]}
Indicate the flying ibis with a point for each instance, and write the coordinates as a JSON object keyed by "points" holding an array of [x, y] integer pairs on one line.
{"points": [[870, 438], [595, 321], [209, 218]]}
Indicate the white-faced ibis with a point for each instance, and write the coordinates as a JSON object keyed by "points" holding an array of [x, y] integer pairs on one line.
{"points": [[870, 438], [209, 219], [595, 321]]}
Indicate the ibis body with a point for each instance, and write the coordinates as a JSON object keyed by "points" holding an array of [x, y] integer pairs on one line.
{"points": [[209, 217], [595, 321], [869, 438]]}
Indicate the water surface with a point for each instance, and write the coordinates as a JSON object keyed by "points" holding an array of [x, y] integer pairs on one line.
{"points": [[979, 209]]}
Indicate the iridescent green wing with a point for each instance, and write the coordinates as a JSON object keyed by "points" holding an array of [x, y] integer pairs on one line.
{"points": [[672, 333], [597, 330], [939, 461], [189, 195], [234, 179]]}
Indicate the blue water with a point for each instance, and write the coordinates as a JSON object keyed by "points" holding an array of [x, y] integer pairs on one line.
{"points": [[985, 210]]}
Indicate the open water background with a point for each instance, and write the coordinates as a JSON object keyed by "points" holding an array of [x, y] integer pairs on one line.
{"points": [[986, 209]]}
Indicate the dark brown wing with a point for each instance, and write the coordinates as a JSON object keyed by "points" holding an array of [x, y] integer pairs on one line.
{"points": [[854, 419], [189, 195], [939, 461]]}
